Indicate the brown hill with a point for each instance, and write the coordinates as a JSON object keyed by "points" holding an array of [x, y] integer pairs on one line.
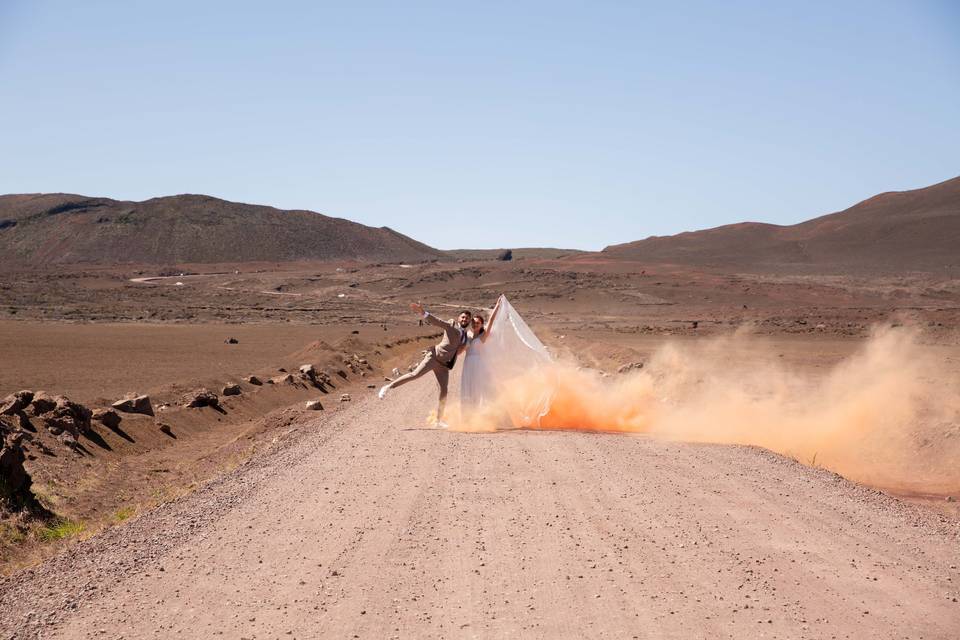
{"points": [[41, 229], [906, 230]]}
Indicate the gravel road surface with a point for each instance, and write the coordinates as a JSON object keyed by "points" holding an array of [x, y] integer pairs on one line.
{"points": [[361, 523]]}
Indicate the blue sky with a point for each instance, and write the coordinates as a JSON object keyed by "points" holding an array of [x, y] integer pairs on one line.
{"points": [[574, 124]]}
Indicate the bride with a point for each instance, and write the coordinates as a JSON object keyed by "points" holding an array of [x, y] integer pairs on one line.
{"points": [[476, 380], [496, 354]]}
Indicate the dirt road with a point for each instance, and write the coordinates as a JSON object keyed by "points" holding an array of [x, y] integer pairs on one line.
{"points": [[362, 524]]}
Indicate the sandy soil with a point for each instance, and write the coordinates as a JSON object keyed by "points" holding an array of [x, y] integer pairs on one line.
{"points": [[359, 522], [364, 524]]}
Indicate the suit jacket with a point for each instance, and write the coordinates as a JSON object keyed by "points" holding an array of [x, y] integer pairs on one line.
{"points": [[453, 337]]}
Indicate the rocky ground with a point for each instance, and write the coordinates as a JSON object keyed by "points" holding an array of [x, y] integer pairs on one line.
{"points": [[189, 501]]}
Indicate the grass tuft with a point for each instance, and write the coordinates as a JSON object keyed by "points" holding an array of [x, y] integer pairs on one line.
{"points": [[60, 529], [123, 513]]}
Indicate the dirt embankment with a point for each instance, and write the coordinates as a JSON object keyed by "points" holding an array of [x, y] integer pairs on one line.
{"points": [[78, 464]]}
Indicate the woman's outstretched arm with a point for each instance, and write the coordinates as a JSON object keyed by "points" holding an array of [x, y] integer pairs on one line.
{"points": [[493, 316]]}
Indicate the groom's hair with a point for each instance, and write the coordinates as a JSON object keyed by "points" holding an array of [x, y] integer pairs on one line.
{"points": [[469, 313]]}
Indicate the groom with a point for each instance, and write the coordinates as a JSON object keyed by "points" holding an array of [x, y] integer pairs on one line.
{"points": [[440, 358]]}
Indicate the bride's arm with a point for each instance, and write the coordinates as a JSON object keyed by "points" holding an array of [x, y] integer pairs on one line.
{"points": [[493, 316]]}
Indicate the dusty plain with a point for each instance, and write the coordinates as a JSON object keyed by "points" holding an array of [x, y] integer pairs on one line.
{"points": [[266, 520]]}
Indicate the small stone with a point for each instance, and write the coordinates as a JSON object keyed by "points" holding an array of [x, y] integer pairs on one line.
{"points": [[108, 417], [231, 341], [344, 397], [134, 404], [254, 380], [201, 398], [630, 366], [231, 390], [314, 405]]}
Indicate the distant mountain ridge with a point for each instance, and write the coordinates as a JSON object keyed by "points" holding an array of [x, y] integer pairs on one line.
{"points": [[916, 230], [895, 231], [44, 229]]}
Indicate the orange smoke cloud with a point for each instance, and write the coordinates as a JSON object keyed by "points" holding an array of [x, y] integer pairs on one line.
{"points": [[879, 416]]}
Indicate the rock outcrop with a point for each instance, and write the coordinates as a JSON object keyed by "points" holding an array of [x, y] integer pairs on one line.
{"points": [[231, 390], [15, 481], [107, 417], [67, 416], [135, 404], [42, 403], [15, 402], [201, 398]]}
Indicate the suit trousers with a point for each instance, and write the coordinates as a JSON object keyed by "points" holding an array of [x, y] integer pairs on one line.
{"points": [[429, 363]]}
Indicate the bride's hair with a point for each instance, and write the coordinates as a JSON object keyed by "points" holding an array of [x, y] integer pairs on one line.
{"points": [[482, 319]]}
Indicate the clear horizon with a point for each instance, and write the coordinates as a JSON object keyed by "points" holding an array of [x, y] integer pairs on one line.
{"points": [[537, 125]]}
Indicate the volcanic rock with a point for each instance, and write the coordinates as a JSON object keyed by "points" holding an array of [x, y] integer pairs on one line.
{"points": [[231, 341], [108, 417], [15, 402], [344, 397], [231, 390], [42, 403], [254, 380], [314, 405], [69, 416], [16, 479], [201, 398], [284, 379], [134, 404]]}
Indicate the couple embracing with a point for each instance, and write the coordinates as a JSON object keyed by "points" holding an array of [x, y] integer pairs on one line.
{"points": [[467, 333]]}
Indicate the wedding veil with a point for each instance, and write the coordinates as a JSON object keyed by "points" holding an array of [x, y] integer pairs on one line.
{"points": [[514, 353]]}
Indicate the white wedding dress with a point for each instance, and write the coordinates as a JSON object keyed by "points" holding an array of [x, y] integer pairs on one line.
{"points": [[476, 383], [511, 350]]}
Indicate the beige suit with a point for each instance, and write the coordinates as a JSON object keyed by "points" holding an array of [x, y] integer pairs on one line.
{"points": [[438, 358]]}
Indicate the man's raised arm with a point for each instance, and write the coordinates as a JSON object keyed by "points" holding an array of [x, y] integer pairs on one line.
{"points": [[429, 317]]}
